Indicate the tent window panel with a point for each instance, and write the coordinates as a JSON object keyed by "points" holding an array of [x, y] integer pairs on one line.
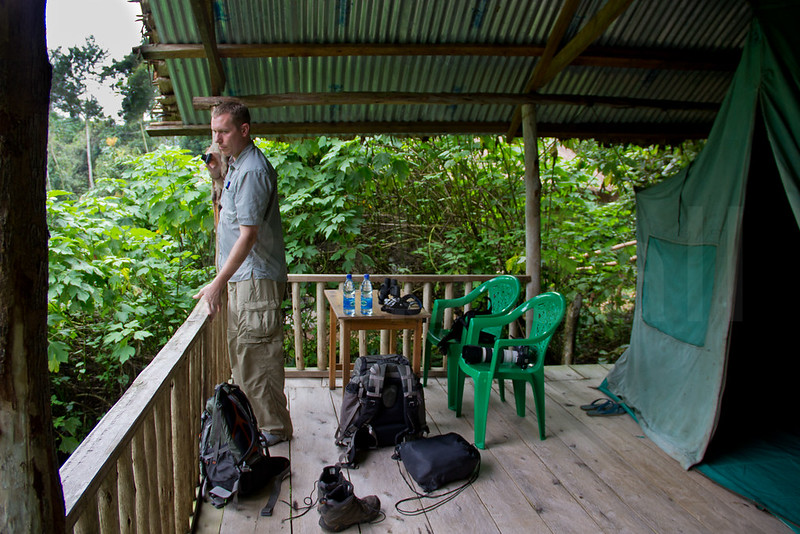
{"points": [[677, 288]]}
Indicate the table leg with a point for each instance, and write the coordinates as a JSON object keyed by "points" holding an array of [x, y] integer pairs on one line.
{"points": [[415, 363], [344, 354], [332, 351]]}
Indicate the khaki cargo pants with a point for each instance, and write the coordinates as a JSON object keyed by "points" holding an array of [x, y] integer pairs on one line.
{"points": [[255, 343]]}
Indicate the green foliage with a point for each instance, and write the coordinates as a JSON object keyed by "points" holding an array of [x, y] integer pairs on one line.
{"points": [[125, 260], [126, 257], [133, 81], [321, 181]]}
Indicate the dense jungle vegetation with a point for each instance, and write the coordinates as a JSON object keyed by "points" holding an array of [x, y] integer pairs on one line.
{"points": [[131, 229]]}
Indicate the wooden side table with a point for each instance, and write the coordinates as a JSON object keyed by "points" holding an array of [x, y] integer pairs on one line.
{"points": [[379, 320]]}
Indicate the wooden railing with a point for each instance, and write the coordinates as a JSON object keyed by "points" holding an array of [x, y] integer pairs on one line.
{"points": [[138, 470], [428, 287]]}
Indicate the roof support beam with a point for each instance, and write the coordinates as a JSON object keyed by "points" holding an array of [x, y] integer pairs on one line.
{"points": [[635, 58], [533, 214], [448, 99], [646, 132], [546, 70], [204, 17]]}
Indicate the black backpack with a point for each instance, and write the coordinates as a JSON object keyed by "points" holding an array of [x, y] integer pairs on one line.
{"points": [[234, 458], [382, 405]]}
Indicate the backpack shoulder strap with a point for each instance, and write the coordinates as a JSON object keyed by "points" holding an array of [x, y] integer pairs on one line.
{"points": [[369, 400]]}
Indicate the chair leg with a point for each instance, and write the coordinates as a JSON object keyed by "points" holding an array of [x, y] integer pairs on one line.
{"points": [[483, 390], [452, 372], [537, 383], [502, 386], [519, 396], [459, 391]]}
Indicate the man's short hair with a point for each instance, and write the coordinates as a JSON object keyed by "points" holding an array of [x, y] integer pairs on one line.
{"points": [[238, 111]]}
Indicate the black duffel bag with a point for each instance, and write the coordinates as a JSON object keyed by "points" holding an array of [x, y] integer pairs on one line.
{"points": [[434, 462]]}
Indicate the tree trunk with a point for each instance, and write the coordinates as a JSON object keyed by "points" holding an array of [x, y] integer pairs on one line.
{"points": [[571, 329], [31, 499], [89, 153]]}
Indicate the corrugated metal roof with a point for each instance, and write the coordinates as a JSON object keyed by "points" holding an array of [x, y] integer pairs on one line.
{"points": [[674, 32]]}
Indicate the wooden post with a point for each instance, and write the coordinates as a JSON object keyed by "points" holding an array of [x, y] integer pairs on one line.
{"points": [[108, 504], [126, 493], [297, 326], [533, 194], [151, 450], [182, 441], [322, 332], [164, 461], [141, 482]]}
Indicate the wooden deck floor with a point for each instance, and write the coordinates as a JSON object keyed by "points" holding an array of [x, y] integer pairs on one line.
{"points": [[590, 475]]}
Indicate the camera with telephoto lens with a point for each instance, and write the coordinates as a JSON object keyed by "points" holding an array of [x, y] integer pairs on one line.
{"points": [[207, 158], [521, 356]]}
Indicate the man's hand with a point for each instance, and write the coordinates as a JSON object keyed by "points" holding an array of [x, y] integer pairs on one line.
{"points": [[212, 296], [213, 291], [214, 167]]}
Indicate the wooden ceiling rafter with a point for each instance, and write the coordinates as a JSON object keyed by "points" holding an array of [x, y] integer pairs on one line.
{"points": [[613, 57], [553, 58], [547, 68], [646, 132], [204, 17], [448, 99]]}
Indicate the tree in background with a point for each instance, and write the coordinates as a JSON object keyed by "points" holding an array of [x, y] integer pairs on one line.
{"points": [[133, 81], [72, 70]]}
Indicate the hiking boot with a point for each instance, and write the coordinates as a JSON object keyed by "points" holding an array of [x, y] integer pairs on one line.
{"points": [[341, 509], [331, 477]]}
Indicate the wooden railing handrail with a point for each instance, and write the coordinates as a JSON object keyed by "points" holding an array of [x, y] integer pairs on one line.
{"points": [[411, 278], [137, 471], [124, 470]]}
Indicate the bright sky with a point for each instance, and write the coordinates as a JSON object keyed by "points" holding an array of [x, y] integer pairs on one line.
{"points": [[113, 24]]}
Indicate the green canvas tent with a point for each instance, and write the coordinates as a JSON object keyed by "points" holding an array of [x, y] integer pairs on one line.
{"points": [[708, 373]]}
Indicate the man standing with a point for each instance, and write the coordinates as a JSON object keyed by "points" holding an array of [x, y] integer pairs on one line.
{"points": [[252, 264]]}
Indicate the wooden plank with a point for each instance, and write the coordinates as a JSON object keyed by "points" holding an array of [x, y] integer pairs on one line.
{"points": [[322, 328], [617, 57], [297, 327], [591, 371], [142, 490], [108, 504], [560, 372], [182, 442], [377, 475], [494, 491], [166, 490], [556, 506], [598, 499], [126, 492], [589, 475], [312, 448], [633, 483], [715, 507], [151, 450]]}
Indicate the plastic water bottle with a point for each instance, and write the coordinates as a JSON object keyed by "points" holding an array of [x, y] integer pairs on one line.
{"points": [[349, 296], [366, 296]]}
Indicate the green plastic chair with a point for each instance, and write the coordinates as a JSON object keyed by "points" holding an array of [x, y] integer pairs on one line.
{"points": [[548, 311], [503, 292]]}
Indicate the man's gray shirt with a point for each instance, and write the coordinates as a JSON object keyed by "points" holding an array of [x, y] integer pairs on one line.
{"points": [[250, 198]]}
